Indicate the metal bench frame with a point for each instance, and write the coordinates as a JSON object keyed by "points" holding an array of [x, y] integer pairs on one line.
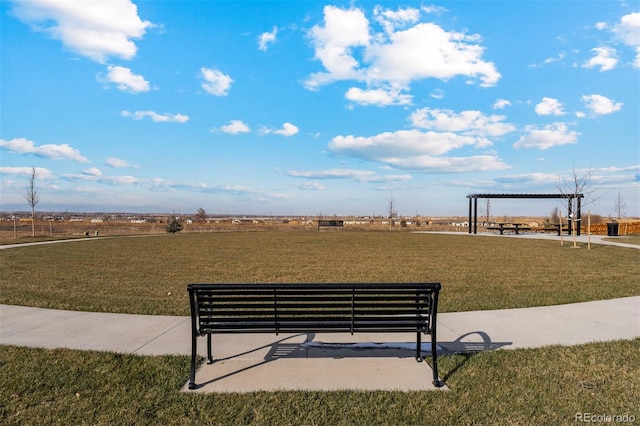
{"points": [[313, 308]]}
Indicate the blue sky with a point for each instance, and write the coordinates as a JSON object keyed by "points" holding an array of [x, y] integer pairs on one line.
{"points": [[306, 107]]}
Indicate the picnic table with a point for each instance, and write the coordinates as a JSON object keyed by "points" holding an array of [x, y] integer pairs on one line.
{"points": [[556, 227], [509, 226]]}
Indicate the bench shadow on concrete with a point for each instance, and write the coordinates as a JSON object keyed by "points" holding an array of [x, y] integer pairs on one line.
{"points": [[282, 349]]}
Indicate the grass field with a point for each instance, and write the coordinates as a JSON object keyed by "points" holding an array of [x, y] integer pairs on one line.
{"points": [[515, 387], [149, 275]]}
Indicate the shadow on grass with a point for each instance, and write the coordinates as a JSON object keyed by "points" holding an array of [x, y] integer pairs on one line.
{"points": [[468, 349]]}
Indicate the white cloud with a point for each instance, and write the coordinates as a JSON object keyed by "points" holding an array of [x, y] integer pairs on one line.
{"points": [[124, 79], [549, 106], [55, 152], [605, 58], [265, 39], [41, 173], [434, 9], [95, 29], [547, 137], [390, 19], [92, 171], [472, 163], [501, 103], [117, 163], [156, 117], [310, 186], [287, 129], [379, 97], [235, 127], [215, 82], [601, 105], [550, 60], [343, 30], [437, 94], [415, 149], [352, 174], [628, 31], [465, 122], [350, 49]]}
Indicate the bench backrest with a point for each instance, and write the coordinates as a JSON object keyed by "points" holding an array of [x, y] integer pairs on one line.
{"points": [[313, 308]]}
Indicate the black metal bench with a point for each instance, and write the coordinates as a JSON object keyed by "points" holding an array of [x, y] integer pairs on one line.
{"points": [[330, 224], [313, 308]]}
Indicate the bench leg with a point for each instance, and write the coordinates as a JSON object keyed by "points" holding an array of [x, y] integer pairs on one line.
{"points": [[434, 359], [194, 350], [209, 355], [418, 347]]}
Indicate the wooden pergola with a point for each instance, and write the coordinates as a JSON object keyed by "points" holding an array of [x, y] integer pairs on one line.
{"points": [[473, 206]]}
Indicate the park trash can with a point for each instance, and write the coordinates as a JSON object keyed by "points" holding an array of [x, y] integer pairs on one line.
{"points": [[612, 229]]}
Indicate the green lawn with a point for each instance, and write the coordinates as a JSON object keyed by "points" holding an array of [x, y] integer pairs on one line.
{"points": [[508, 387], [149, 275]]}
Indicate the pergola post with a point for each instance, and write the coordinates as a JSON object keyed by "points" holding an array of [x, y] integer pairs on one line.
{"points": [[579, 214], [470, 197], [475, 215]]}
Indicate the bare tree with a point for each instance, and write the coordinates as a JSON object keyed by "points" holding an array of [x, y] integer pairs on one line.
{"points": [[574, 189], [32, 198], [620, 207], [555, 215], [485, 213], [201, 216], [391, 211]]}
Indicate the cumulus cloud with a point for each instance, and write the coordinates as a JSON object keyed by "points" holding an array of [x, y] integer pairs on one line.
{"points": [[405, 50], [92, 171], [379, 97], [41, 173], [549, 106], [604, 57], [547, 136], [52, 151], [124, 79], [414, 149], [95, 29], [265, 39], [501, 103], [393, 19], [465, 122], [628, 31], [287, 129], [235, 127], [156, 117], [215, 82], [601, 105]]}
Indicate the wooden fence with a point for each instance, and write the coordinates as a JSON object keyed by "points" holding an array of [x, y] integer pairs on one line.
{"points": [[624, 228]]}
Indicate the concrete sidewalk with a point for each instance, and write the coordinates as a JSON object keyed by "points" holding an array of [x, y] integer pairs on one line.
{"points": [[248, 363]]}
